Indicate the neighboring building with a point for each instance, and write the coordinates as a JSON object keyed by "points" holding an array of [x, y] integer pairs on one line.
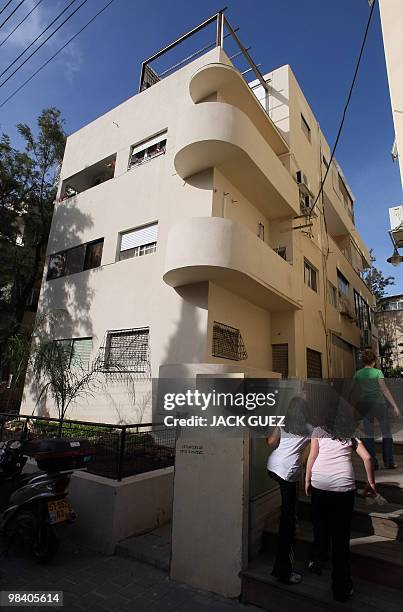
{"points": [[392, 27], [389, 320], [184, 238], [391, 12]]}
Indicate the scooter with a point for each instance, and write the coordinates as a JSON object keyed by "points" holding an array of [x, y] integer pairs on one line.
{"points": [[33, 505]]}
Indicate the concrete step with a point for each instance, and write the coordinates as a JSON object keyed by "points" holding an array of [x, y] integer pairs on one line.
{"points": [[153, 548], [389, 483], [373, 557], [313, 594], [385, 521], [397, 447]]}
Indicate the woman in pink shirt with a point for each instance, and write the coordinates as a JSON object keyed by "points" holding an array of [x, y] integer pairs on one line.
{"points": [[331, 482]]}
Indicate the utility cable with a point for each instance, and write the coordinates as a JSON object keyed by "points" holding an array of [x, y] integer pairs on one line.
{"points": [[345, 108], [37, 38], [43, 43], [4, 7], [55, 54], [12, 13], [19, 24]]}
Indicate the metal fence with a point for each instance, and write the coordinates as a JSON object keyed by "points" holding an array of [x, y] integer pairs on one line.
{"points": [[121, 450]]}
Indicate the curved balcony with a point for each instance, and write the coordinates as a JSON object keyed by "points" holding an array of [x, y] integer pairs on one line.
{"points": [[216, 134], [222, 251], [233, 89]]}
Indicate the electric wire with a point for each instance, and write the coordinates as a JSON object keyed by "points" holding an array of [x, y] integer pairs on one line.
{"points": [[37, 38], [19, 24], [43, 43], [12, 13], [345, 107], [4, 7], [55, 54]]}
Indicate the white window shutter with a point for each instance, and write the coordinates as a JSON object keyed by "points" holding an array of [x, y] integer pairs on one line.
{"points": [[149, 143], [139, 237], [81, 352]]}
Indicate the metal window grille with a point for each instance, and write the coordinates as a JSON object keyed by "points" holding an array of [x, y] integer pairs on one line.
{"points": [[127, 350], [228, 342]]}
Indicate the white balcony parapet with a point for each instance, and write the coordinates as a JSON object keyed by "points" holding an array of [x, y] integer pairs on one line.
{"points": [[202, 249], [225, 80], [216, 134]]}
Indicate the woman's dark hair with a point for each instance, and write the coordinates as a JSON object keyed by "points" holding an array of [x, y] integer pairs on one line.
{"points": [[368, 357], [295, 421]]}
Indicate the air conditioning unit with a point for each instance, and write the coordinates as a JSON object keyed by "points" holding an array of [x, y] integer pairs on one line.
{"points": [[302, 181]]}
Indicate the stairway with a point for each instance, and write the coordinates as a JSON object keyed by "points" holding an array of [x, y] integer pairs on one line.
{"points": [[376, 557]]}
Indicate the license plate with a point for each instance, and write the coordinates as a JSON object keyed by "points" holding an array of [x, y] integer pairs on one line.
{"points": [[59, 511]]}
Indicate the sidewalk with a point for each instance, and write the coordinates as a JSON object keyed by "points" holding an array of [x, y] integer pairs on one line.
{"points": [[91, 581]]}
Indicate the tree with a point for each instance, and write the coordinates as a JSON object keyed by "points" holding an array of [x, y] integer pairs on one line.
{"points": [[376, 281], [28, 183]]}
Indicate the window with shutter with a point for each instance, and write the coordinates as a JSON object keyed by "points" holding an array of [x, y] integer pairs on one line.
{"points": [[140, 241], [313, 364], [81, 352], [148, 149], [75, 352], [280, 359]]}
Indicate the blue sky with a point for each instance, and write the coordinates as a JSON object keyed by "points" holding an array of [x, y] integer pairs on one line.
{"points": [[320, 39]]}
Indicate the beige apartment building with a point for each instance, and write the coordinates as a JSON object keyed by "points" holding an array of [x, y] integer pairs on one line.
{"points": [[389, 321], [185, 239]]}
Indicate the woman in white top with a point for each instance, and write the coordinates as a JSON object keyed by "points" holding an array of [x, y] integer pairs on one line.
{"points": [[330, 480], [283, 465]]}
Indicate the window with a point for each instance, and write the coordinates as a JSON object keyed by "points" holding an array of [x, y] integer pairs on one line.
{"points": [[228, 342], [305, 127], [361, 312], [137, 242], [260, 231], [77, 259], [127, 350], [75, 351], [313, 364], [148, 149], [93, 255], [310, 276], [343, 284], [332, 295], [282, 252], [280, 359], [91, 176], [395, 305]]}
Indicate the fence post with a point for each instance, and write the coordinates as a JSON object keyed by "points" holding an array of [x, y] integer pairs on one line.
{"points": [[121, 452]]}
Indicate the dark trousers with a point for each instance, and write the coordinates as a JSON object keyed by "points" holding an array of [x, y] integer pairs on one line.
{"points": [[331, 518], [378, 411], [283, 563]]}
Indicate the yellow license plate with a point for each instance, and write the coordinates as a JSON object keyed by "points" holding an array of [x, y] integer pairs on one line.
{"points": [[59, 511]]}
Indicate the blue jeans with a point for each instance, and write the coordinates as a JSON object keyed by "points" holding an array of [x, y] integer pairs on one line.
{"points": [[378, 411]]}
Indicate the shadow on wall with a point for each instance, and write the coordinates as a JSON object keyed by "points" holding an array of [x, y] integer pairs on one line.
{"points": [[188, 343], [71, 293]]}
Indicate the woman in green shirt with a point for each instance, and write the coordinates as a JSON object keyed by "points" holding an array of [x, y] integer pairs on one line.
{"points": [[373, 406]]}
